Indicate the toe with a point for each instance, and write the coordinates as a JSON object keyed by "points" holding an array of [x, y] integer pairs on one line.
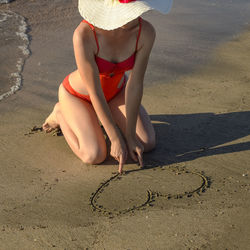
{"points": [[45, 127], [49, 130]]}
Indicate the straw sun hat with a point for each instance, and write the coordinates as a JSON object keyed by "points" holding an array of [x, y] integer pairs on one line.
{"points": [[112, 14]]}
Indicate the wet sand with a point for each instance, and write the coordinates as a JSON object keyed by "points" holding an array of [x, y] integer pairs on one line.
{"points": [[201, 113]]}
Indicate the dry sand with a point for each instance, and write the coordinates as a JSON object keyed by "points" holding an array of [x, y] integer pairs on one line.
{"points": [[202, 120]]}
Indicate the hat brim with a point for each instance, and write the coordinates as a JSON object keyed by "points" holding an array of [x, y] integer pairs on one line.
{"points": [[111, 17]]}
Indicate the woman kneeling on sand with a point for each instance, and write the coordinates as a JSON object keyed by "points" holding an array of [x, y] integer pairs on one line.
{"points": [[111, 40]]}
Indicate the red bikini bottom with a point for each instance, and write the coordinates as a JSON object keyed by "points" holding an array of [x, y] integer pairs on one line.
{"points": [[108, 95]]}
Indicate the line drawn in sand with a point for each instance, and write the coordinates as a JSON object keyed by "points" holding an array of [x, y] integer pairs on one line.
{"points": [[151, 195]]}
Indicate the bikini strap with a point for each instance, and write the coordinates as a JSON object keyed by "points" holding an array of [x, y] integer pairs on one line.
{"points": [[93, 28], [139, 33]]}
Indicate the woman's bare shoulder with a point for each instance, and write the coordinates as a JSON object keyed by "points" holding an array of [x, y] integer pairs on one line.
{"points": [[148, 33], [83, 36], [148, 28]]}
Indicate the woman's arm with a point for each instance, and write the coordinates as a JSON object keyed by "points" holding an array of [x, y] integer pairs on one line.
{"points": [[134, 88], [85, 60]]}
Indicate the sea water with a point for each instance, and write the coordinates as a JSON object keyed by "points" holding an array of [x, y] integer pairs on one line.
{"points": [[5, 1], [14, 50]]}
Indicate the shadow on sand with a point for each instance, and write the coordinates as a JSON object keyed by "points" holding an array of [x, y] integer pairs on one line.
{"points": [[187, 137]]}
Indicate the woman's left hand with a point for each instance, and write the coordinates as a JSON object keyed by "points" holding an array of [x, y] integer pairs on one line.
{"points": [[136, 150]]}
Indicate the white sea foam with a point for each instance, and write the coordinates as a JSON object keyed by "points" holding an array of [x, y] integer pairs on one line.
{"points": [[16, 77], [25, 50], [5, 1], [4, 17]]}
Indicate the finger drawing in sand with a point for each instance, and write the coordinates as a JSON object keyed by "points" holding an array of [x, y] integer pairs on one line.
{"points": [[112, 46]]}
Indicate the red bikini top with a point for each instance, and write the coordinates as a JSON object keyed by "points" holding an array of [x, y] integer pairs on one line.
{"points": [[106, 67]]}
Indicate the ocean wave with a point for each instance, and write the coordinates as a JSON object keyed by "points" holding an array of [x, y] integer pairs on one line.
{"points": [[14, 28]]}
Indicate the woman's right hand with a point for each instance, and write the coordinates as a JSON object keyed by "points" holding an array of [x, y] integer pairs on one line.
{"points": [[119, 152]]}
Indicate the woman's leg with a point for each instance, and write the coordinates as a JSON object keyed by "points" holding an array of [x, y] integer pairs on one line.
{"points": [[144, 128], [80, 126]]}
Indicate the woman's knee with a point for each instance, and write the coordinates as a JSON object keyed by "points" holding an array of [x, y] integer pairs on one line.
{"points": [[94, 155], [149, 143]]}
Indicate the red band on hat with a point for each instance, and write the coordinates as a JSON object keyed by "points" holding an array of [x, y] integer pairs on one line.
{"points": [[126, 1]]}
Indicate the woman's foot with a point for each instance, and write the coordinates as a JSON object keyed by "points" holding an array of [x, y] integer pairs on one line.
{"points": [[51, 123]]}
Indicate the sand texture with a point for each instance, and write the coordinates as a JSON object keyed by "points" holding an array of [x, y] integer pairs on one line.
{"points": [[194, 192]]}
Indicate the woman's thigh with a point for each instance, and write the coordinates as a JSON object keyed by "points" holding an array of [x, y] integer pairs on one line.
{"points": [[83, 123], [144, 128]]}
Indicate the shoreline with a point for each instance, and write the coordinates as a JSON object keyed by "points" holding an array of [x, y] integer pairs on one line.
{"points": [[21, 34]]}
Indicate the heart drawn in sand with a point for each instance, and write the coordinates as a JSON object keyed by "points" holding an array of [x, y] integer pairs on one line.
{"points": [[138, 189]]}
